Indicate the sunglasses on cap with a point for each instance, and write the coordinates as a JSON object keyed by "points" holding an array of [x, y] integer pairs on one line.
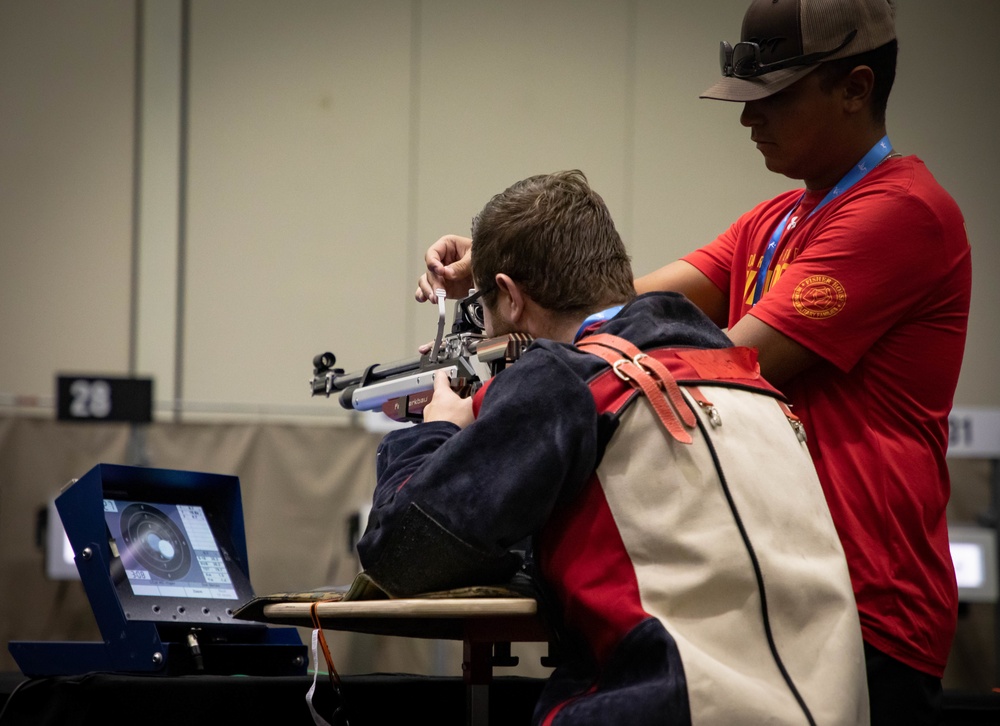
{"points": [[743, 59]]}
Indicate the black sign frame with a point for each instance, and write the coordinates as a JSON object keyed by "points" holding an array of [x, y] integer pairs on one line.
{"points": [[104, 399]]}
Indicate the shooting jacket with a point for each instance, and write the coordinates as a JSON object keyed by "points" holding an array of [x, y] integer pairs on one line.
{"points": [[697, 582]]}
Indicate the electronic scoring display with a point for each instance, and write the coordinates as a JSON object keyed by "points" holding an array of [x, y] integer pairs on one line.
{"points": [[172, 561], [162, 557], [168, 550]]}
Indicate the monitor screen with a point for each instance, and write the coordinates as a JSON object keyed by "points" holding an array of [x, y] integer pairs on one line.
{"points": [[171, 562], [974, 554]]}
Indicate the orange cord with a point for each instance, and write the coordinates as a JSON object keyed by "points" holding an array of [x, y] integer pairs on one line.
{"points": [[332, 670]]}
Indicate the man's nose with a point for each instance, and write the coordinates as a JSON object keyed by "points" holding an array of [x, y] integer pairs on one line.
{"points": [[751, 115]]}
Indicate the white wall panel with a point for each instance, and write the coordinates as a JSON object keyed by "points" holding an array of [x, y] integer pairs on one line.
{"points": [[296, 237], [944, 108], [512, 89], [696, 170], [66, 113]]}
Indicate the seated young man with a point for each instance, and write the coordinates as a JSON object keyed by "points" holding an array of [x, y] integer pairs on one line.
{"points": [[679, 535]]}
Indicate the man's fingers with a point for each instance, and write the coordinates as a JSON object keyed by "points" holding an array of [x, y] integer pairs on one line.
{"points": [[449, 266], [427, 286], [441, 380]]}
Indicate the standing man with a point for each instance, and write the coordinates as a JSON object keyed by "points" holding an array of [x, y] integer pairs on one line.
{"points": [[631, 442], [855, 292]]}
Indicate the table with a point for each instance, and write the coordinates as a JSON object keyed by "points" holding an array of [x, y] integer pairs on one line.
{"points": [[486, 626]]}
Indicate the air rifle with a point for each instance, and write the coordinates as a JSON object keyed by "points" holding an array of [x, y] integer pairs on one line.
{"points": [[401, 389]]}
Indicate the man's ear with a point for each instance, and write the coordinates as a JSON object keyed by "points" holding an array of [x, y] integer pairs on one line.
{"points": [[512, 298], [857, 88]]}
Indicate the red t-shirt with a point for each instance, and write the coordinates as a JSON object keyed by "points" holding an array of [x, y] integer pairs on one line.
{"points": [[877, 283]]}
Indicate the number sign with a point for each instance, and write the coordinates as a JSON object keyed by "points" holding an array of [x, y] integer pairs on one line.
{"points": [[974, 433], [100, 399]]}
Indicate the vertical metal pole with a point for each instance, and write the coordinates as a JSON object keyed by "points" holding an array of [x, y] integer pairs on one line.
{"points": [[477, 672], [136, 454], [133, 322], [182, 194]]}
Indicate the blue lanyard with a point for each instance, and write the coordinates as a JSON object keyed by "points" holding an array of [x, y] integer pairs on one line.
{"points": [[870, 160], [597, 318]]}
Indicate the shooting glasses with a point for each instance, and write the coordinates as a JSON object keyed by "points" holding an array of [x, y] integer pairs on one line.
{"points": [[472, 310]]}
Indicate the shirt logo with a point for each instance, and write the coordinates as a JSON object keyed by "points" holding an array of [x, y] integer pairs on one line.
{"points": [[819, 297]]}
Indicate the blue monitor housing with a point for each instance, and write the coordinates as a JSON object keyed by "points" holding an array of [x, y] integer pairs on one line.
{"points": [[162, 557]]}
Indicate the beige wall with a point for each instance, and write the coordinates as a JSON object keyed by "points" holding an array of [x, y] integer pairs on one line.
{"points": [[330, 142], [65, 190]]}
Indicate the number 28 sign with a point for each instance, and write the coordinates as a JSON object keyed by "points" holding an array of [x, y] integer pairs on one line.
{"points": [[104, 399]]}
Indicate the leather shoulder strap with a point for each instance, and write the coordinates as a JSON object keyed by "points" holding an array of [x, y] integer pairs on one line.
{"points": [[647, 374]]}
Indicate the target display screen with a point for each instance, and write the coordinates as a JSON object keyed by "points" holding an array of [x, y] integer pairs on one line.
{"points": [[169, 551]]}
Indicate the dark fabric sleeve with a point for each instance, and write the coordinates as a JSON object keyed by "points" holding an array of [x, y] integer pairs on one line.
{"points": [[450, 503]]}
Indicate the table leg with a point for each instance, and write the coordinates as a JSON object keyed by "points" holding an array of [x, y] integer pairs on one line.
{"points": [[477, 672]]}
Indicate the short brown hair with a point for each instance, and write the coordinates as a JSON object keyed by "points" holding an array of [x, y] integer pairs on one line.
{"points": [[882, 61], [554, 236]]}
